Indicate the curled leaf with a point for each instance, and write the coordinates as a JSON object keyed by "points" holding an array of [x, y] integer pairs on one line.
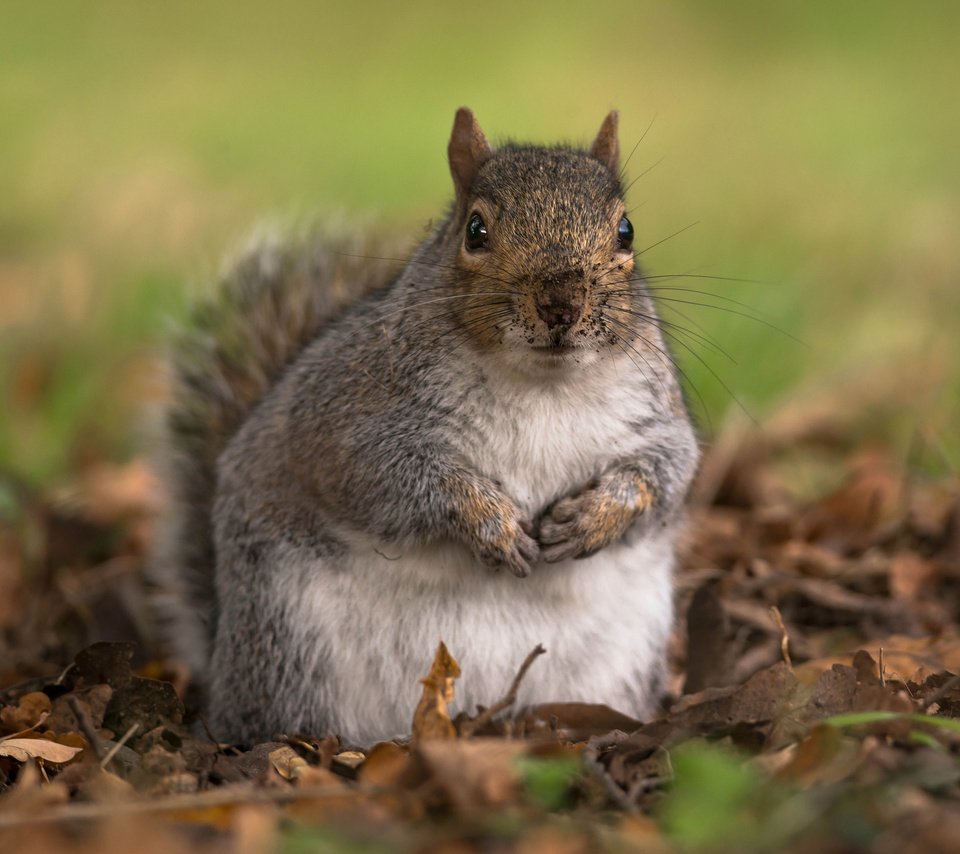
{"points": [[431, 720]]}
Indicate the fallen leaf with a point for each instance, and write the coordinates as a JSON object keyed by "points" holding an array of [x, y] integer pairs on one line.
{"points": [[638, 763], [386, 764], [349, 758], [473, 775], [707, 630], [910, 575], [102, 662], [29, 711], [24, 749], [812, 756], [308, 776], [848, 518], [177, 783], [92, 701], [287, 762], [432, 717], [577, 721]]}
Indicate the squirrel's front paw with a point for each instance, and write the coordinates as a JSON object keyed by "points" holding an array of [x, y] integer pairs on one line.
{"points": [[580, 525], [509, 544], [495, 531]]}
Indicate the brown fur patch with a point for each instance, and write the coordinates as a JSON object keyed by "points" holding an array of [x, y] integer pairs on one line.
{"points": [[487, 518], [614, 509]]}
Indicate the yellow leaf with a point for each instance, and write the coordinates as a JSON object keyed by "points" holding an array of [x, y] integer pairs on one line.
{"points": [[432, 719], [350, 758], [287, 762]]}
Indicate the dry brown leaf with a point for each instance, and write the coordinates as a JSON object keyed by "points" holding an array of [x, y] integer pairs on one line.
{"points": [[28, 712], [287, 762], [474, 775], [177, 783], [708, 659], [871, 497], [92, 702], [313, 776], [432, 717], [349, 758], [386, 764], [910, 575], [903, 657], [577, 721], [810, 757], [24, 749], [639, 763], [322, 750]]}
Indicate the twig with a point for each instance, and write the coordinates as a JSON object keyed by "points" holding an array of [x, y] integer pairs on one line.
{"points": [[43, 717], [85, 727], [614, 790], [206, 728], [469, 727], [883, 681], [784, 637], [113, 751]]}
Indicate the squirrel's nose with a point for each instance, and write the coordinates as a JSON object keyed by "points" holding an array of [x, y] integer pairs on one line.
{"points": [[560, 310], [562, 298]]}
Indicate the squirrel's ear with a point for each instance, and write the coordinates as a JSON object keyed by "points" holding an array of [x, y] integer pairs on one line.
{"points": [[467, 152], [606, 147]]}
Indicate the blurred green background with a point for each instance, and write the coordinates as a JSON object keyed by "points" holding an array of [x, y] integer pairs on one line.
{"points": [[814, 144]]}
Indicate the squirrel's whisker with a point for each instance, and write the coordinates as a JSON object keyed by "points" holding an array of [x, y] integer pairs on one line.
{"points": [[675, 328], [633, 151], [665, 239]]}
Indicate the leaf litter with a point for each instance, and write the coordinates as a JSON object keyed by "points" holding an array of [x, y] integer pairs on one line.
{"points": [[814, 703]]}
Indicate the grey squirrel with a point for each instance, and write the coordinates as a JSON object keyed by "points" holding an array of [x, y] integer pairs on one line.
{"points": [[352, 457]]}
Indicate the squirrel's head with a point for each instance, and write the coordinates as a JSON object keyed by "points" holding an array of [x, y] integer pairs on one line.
{"points": [[543, 247]]}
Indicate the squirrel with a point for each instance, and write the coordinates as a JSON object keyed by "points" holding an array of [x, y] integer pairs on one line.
{"points": [[490, 448]]}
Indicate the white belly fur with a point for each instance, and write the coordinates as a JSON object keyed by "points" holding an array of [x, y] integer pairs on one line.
{"points": [[603, 620]]}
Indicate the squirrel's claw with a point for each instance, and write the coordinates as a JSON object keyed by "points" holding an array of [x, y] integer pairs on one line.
{"points": [[565, 529], [560, 552], [560, 541], [514, 549], [525, 552], [520, 557]]}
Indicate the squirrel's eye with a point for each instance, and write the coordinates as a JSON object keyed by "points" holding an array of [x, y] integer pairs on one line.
{"points": [[476, 232], [625, 234]]}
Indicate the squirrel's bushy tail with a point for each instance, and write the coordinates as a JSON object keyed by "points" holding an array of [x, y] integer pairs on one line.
{"points": [[272, 300]]}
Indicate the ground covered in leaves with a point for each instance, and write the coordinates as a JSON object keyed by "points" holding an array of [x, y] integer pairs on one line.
{"points": [[815, 704]]}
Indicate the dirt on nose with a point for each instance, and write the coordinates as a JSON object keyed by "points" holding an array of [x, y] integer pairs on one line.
{"points": [[562, 298]]}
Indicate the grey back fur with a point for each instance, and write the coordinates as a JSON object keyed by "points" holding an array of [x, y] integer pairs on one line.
{"points": [[273, 298]]}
